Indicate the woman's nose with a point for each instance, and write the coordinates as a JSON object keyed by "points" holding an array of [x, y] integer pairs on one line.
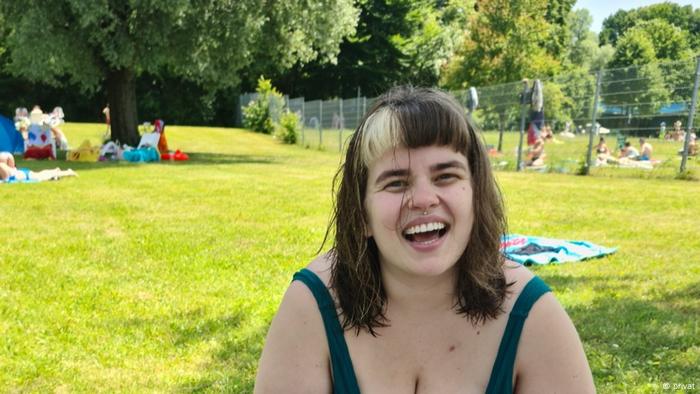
{"points": [[423, 196]]}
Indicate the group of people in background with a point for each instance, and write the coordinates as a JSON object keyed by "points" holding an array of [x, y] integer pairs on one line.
{"points": [[30, 125], [24, 120], [626, 153]]}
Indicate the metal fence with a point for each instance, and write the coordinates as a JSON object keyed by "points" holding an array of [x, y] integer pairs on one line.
{"points": [[655, 101]]}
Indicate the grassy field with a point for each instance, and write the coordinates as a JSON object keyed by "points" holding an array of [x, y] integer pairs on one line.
{"points": [[164, 277]]}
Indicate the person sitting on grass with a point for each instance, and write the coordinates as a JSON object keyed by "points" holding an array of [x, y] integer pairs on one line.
{"points": [[602, 147], [10, 173], [535, 156], [629, 152], [645, 149], [692, 146], [415, 295]]}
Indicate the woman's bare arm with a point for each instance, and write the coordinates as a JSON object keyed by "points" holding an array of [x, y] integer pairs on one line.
{"points": [[550, 356], [295, 356]]}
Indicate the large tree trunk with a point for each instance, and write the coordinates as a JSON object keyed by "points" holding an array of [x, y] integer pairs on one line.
{"points": [[121, 94]]}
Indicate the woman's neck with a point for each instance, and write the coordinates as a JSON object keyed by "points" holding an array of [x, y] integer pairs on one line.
{"points": [[413, 293]]}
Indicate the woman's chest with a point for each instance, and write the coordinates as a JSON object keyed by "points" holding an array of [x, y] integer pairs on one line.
{"points": [[428, 356]]}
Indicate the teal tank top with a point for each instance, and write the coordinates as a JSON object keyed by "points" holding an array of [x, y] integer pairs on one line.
{"points": [[344, 379]]}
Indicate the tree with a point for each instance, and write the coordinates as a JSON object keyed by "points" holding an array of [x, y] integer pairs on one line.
{"points": [[106, 44], [557, 15], [507, 41], [583, 50], [635, 80], [683, 17], [435, 31], [397, 41]]}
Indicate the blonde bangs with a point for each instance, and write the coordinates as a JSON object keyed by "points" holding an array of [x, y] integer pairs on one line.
{"points": [[380, 133]]}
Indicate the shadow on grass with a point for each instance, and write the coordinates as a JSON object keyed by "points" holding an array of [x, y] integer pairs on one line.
{"points": [[652, 337], [233, 363], [195, 158]]}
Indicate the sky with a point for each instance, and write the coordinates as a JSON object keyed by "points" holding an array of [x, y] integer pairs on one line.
{"points": [[601, 9]]}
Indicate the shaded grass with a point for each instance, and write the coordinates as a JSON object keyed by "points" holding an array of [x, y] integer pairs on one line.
{"points": [[164, 277]]}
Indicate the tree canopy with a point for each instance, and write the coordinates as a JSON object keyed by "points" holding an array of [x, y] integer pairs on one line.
{"points": [[106, 44], [397, 41], [683, 17], [508, 41]]}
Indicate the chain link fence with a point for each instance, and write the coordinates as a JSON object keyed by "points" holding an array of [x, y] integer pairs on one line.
{"points": [[653, 102]]}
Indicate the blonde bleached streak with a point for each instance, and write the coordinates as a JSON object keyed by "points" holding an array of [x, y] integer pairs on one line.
{"points": [[380, 132]]}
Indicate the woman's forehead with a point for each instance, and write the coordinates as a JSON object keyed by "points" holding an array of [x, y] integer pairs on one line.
{"points": [[402, 157]]}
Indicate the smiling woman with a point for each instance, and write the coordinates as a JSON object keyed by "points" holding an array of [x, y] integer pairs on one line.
{"points": [[415, 296]]}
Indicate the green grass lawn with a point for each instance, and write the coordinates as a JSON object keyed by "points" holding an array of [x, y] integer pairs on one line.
{"points": [[164, 277]]}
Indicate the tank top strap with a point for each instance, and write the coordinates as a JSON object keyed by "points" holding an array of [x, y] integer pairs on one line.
{"points": [[501, 380], [344, 379]]}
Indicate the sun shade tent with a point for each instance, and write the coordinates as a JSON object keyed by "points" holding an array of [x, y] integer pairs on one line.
{"points": [[10, 139]]}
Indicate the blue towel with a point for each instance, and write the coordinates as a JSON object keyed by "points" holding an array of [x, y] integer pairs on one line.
{"points": [[538, 250]]}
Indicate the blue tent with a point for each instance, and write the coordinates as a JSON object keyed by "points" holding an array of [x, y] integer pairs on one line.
{"points": [[10, 139]]}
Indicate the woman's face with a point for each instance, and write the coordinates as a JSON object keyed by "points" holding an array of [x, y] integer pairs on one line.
{"points": [[419, 208]]}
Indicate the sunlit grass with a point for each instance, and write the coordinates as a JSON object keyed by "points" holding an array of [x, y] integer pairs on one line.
{"points": [[164, 277]]}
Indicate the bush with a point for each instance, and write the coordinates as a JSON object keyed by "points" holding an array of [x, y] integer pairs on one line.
{"points": [[259, 115], [288, 127]]}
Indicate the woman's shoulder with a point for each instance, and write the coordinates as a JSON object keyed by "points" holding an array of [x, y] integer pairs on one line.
{"points": [[518, 276], [321, 266], [548, 338], [296, 351]]}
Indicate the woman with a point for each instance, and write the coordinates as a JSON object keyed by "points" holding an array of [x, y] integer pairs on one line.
{"points": [[535, 156], [415, 296], [602, 147], [10, 173]]}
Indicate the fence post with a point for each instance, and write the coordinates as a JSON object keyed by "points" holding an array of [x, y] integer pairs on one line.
{"points": [[691, 115], [320, 124], [303, 119], [525, 99], [523, 108], [340, 125], [587, 169], [501, 126]]}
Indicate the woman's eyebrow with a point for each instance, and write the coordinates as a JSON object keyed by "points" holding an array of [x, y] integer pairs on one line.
{"points": [[448, 164], [390, 174]]}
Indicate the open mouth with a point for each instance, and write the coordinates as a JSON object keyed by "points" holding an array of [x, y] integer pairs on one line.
{"points": [[426, 233]]}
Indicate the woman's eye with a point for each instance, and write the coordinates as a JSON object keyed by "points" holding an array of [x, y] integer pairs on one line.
{"points": [[446, 177], [396, 184]]}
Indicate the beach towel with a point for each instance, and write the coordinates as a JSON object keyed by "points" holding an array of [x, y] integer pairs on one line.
{"points": [[539, 250]]}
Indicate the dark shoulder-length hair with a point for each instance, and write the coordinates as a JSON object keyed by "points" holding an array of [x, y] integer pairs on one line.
{"points": [[412, 118]]}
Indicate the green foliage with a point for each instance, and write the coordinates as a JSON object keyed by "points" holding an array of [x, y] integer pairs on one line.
{"points": [[583, 52], [557, 15], [684, 18], [206, 42], [397, 41], [634, 48], [288, 128], [256, 117], [261, 113], [106, 45], [434, 35], [508, 41]]}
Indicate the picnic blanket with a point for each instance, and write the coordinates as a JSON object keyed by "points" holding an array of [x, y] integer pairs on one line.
{"points": [[539, 250]]}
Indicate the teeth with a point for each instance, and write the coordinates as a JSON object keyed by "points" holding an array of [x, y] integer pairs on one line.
{"points": [[424, 228]]}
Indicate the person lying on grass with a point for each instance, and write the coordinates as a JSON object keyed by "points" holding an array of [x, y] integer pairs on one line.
{"points": [[415, 296], [9, 172]]}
